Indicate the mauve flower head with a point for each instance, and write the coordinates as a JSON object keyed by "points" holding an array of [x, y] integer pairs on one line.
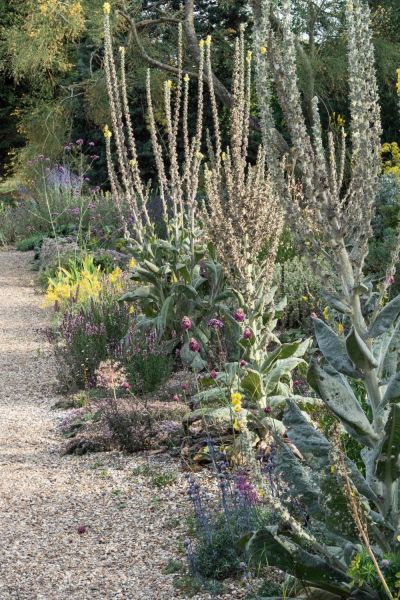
{"points": [[68, 147], [314, 315], [175, 398], [215, 324], [247, 333], [185, 387], [242, 363], [82, 529], [186, 323], [194, 345], [94, 157], [79, 142], [75, 211], [125, 385], [213, 374], [267, 410], [239, 315], [390, 280], [92, 205]]}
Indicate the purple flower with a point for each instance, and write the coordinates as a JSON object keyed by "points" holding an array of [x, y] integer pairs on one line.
{"points": [[92, 205], [82, 529], [186, 323], [267, 410], [239, 315], [246, 489], [194, 345], [75, 211], [185, 387], [79, 142], [68, 147], [215, 324], [242, 363], [247, 333], [389, 280], [213, 374], [94, 157], [175, 398], [314, 315]]}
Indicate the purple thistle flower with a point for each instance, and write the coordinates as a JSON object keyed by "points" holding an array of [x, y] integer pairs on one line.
{"points": [[242, 363], [186, 323], [247, 333], [213, 374], [79, 142], [194, 345], [239, 315], [215, 324]]}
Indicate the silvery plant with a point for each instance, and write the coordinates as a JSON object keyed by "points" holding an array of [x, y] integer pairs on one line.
{"points": [[330, 201]]}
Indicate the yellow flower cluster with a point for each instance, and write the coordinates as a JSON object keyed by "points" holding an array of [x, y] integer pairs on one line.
{"points": [[106, 132], [236, 400], [391, 159], [66, 285], [132, 263], [106, 8], [398, 81]]}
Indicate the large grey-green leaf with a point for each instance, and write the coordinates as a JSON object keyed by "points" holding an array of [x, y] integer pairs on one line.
{"points": [[338, 304], [389, 352], [385, 318], [282, 367], [267, 547], [299, 478], [340, 399], [333, 349], [388, 461], [316, 449], [359, 352], [392, 394]]}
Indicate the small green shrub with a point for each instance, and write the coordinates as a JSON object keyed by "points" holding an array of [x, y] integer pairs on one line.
{"points": [[31, 242], [147, 362]]}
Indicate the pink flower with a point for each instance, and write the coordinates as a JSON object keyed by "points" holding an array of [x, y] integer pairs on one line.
{"points": [[247, 333], [175, 398], [242, 363], [213, 374], [239, 315], [125, 385], [185, 387], [82, 529], [79, 142], [390, 280], [267, 410], [186, 323], [194, 345], [314, 315]]}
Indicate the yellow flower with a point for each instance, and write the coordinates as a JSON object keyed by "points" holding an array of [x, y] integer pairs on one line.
{"points": [[132, 263], [237, 424], [115, 275], [237, 408], [249, 56], [121, 50], [236, 398], [168, 84], [186, 78], [131, 310], [207, 41], [174, 278], [199, 155], [106, 8], [223, 156], [201, 44], [132, 163], [106, 132], [263, 50], [326, 313], [304, 298], [398, 81], [340, 328]]}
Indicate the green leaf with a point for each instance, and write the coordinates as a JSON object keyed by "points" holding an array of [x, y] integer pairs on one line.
{"points": [[359, 352], [392, 394], [297, 348], [282, 367], [388, 460], [253, 384], [340, 399], [138, 293], [333, 349], [162, 319], [339, 305], [385, 318], [266, 546]]}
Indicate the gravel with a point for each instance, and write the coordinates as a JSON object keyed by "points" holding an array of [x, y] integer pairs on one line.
{"points": [[71, 527]]}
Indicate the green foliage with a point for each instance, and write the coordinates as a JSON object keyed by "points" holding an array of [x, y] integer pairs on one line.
{"points": [[32, 242], [147, 364], [362, 569]]}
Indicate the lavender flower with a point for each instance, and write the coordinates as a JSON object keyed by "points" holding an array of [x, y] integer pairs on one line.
{"points": [[79, 142], [247, 333]]}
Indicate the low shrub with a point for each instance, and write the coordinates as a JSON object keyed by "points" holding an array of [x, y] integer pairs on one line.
{"points": [[31, 242]]}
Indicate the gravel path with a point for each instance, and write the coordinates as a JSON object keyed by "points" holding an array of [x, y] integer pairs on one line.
{"points": [[132, 529]]}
